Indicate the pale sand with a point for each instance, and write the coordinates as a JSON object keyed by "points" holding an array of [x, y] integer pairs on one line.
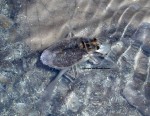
{"points": [[48, 21], [43, 22]]}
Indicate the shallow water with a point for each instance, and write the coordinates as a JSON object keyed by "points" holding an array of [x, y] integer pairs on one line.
{"points": [[28, 27]]}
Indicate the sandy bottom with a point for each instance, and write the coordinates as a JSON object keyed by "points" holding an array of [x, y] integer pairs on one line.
{"points": [[28, 27]]}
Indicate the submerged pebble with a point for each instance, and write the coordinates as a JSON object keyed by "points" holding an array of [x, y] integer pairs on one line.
{"points": [[21, 108], [3, 79], [5, 22]]}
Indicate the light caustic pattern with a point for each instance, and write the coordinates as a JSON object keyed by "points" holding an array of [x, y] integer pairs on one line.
{"points": [[130, 52], [124, 24]]}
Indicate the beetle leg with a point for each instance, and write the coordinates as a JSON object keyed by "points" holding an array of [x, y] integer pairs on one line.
{"points": [[92, 59], [74, 71], [49, 91]]}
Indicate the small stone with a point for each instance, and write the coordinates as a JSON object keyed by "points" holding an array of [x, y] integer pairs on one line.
{"points": [[3, 79], [5, 22], [21, 108]]}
